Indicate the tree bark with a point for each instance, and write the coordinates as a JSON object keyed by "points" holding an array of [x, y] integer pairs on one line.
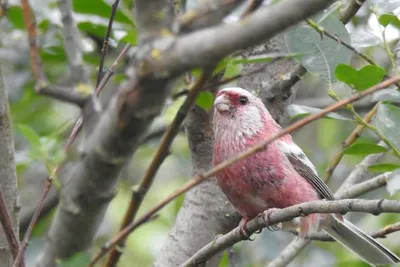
{"points": [[8, 175]]}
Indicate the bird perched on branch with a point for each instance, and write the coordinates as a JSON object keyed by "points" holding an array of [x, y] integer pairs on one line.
{"points": [[278, 177]]}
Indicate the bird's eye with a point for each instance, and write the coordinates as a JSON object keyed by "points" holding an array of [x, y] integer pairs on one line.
{"points": [[243, 100]]}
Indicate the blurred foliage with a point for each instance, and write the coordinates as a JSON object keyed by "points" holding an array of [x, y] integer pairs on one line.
{"points": [[41, 125]]}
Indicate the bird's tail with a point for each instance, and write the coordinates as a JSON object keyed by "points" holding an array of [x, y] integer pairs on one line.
{"points": [[359, 242]]}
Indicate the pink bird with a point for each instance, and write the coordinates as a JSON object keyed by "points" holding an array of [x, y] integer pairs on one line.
{"points": [[278, 177]]}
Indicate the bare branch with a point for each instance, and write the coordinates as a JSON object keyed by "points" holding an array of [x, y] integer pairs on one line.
{"points": [[73, 45], [104, 49], [216, 42], [374, 207], [7, 225], [208, 14], [297, 245], [42, 86]]}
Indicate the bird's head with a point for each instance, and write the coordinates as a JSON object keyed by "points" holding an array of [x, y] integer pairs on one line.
{"points": [[239, 112]]}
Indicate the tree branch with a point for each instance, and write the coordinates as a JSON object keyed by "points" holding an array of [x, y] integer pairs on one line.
{"points": [[153, 17], [72, 43], [5, 219], [41, 84], [374, 207], [216, 42], [104, 48], [297, 245]]}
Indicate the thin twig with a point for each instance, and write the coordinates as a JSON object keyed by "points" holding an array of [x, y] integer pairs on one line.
{"points": [[46, 188], [374, 130], [5, 220], [354, 135], [104, 49], [381, 233], [42, 86], [336, 38], [257, 148], [138, 193]]}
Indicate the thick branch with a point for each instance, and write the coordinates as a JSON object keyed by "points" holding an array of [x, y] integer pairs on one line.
{"points": [[152, 17], [106, 149], [8, 183], [216, 42]]}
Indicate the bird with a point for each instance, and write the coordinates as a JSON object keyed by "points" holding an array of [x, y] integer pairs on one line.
{"points": [[279, 176]]}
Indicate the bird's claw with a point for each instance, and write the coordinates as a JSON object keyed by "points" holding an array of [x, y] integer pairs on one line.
{"points": [[243, 230], [275, 227]]}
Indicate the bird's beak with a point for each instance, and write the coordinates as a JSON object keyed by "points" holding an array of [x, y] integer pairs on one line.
{"points": [[221, 103]]}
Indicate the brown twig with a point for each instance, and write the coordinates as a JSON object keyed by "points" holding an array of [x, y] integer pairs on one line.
{"points": [[138, 193], [41, 84], [46, 188], [257, 148], [354, 135], [5, 220]]}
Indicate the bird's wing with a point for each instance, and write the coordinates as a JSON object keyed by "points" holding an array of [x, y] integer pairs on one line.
{"points": [[305, 168]]}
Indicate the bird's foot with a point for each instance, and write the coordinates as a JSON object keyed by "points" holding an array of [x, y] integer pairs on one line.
{"points": [[275, 227], [243, 230]]}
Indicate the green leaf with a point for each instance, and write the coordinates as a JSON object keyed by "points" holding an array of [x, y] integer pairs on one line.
{"points": [[14, 15], [387, 121], [359, 79], [78, 259], [92, 28], [130, 38], [232, 70], [321, 55], [393, 182], [30, 135], [205, 100], [364, 148], [99, 8], [299, 111], [392, 95], [383, 167], [264, 58], [346, 74], [390, 18]]}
